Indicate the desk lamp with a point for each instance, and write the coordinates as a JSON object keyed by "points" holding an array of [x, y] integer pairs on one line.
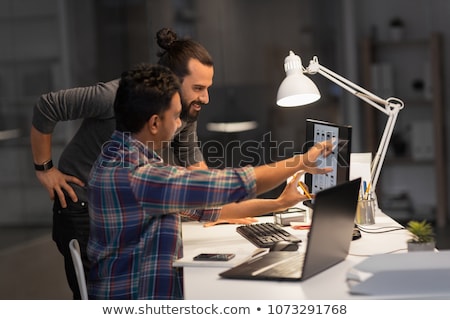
{"points": [[297, 90]]}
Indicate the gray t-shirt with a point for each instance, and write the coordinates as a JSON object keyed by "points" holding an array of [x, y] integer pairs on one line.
{"points": [[95, 106]]}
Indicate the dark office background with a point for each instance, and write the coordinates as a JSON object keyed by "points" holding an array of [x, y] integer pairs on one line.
{"points": [[48, 45]]}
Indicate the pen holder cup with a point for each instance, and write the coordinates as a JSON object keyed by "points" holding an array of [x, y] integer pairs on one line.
{"points": [[365, 212]]}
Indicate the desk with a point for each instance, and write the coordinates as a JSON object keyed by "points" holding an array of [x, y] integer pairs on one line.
{"points": [[203, 282]]}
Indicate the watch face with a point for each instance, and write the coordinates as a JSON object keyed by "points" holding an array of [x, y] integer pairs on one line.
{"points": [[47, 165]]}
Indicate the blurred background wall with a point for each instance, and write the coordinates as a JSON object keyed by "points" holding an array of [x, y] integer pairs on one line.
{"points": [[48, 45]]}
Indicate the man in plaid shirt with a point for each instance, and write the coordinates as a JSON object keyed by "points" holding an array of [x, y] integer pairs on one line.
{"points": [[136, 199]]}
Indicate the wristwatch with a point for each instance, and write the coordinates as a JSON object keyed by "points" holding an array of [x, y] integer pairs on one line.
{"points": [[47, 165]]}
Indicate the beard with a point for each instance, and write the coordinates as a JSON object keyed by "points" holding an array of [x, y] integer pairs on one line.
{"points": [[189, 112]]}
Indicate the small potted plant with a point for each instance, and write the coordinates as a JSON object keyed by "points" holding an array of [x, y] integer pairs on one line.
{"points": [[422, 236]]}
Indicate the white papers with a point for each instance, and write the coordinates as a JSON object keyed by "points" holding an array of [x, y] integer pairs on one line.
{"points": [[360, 166], [423, 274]]}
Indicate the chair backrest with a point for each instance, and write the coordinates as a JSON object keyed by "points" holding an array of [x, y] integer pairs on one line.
{"points": [[78, 265]]}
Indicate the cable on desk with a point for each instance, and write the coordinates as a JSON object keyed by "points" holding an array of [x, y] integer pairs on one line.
{"points": [[372, 254], [379, 229], [376, 231]]}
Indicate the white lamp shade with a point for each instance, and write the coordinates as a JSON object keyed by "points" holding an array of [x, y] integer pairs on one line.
{"points": [[296, 89]]}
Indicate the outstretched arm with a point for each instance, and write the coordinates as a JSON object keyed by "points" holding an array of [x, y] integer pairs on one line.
{"points": [[268, 177], [271, 175], [255, 207]]}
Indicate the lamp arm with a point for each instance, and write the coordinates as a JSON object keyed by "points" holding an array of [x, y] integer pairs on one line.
{"points": [[363, 94], [378, 160], [391, 107]]}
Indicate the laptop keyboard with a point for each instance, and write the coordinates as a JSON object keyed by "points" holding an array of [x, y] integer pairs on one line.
{"points": [[264, 235]]}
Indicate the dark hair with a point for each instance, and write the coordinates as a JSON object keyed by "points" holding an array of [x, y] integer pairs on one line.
{"points": [[176, 52], [143, 91]]}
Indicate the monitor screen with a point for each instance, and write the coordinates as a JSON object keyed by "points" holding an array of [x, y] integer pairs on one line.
{"points": [[339, 160]]}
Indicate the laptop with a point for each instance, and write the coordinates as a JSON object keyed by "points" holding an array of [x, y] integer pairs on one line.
{"points": [[328, 242]]}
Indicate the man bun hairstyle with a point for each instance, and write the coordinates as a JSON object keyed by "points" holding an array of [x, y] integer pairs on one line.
{"points": [[176, 52], [165, 38]]}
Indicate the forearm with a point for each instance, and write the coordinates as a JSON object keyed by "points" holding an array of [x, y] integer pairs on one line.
{"points": [[251, 208], [41, 146], [272, 175]]}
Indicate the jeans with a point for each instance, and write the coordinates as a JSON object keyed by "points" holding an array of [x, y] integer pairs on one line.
{"points": [[71, 223]]}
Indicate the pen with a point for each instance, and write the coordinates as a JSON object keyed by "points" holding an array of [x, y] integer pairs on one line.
{"points": [[366, 196], [300, 184]]}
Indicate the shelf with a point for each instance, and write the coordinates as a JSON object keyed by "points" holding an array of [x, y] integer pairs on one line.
{"points": [[417, 102], [400, 56], [407, 161], [401, 44]]}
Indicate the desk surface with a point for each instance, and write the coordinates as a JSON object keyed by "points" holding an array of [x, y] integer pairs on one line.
{"points": [[202, 281]]}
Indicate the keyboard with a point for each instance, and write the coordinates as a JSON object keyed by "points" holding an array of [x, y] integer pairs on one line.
{"points": [[264, 235]]}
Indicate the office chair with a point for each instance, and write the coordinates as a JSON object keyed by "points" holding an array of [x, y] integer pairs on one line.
{"points": [[78, 265]]}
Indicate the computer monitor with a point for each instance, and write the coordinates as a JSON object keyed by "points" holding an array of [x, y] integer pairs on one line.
{"points": [[339, 160]]}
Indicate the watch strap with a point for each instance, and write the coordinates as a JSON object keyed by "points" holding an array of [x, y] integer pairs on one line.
{"points": [[47, 165]]}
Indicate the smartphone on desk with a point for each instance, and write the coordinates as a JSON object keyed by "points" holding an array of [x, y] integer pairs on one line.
{"points": [[214, 257]]}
